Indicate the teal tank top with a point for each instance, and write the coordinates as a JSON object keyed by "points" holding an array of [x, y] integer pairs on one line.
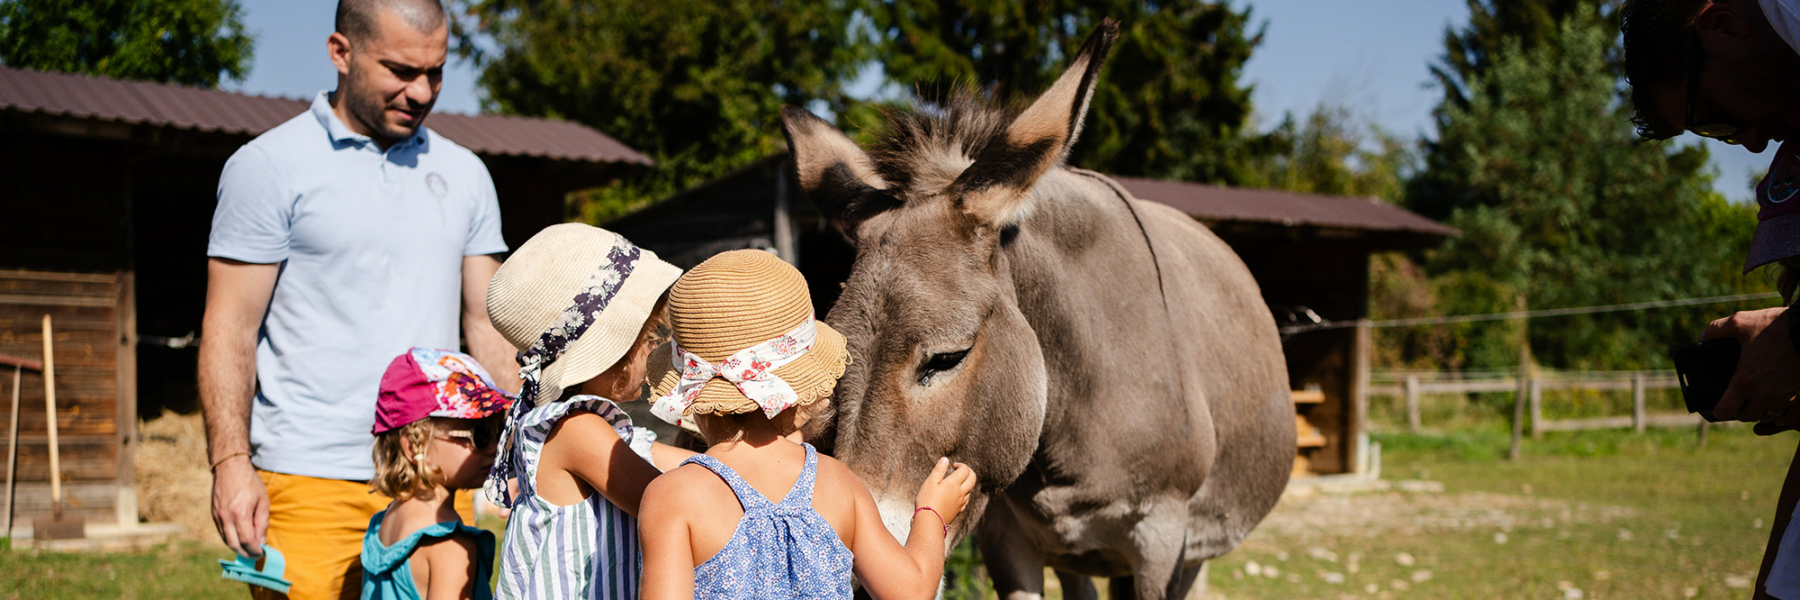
{"points": [[387, 575]]}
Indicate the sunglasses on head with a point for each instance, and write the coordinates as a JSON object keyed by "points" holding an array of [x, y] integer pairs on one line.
{"points": [[1717, 130]]}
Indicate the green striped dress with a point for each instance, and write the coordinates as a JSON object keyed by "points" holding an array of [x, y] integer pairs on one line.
{"points": [[587, 550]]}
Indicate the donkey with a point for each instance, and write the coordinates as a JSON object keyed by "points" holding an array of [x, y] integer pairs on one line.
{"points": [[1105, 364]]}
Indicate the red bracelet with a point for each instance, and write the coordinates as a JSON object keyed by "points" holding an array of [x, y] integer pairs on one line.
{"points": [[935, 512]]}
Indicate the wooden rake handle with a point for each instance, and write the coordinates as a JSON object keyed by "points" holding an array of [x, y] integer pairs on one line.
{"points": [[49, 368]]}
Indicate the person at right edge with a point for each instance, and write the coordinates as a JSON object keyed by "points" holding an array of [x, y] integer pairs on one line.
{"points": [[1730, 70]]}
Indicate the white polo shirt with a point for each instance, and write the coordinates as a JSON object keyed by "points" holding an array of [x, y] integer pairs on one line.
{"points": [[370, 244]]}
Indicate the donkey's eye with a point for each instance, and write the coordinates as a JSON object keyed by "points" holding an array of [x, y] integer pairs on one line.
{"points": [[939, 363]]}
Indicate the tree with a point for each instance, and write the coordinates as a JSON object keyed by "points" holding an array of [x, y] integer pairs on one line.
{"points": [[695, 84], [1560, 204], [1493, 24], [1340, 154], [190, 42], [1169, 105]]}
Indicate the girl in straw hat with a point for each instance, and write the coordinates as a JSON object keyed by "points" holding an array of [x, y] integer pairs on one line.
{"points": [[748, 355], [581, 304]]}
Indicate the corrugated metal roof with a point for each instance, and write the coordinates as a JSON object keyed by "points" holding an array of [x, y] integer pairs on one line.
{"points": [[1220, 203], [217, 111]]}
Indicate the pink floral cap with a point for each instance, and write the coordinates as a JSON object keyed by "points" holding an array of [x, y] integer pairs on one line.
{"points": [[424, 383]]}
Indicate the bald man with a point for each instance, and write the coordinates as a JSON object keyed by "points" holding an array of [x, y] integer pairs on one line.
{"points": [[342, 238]]}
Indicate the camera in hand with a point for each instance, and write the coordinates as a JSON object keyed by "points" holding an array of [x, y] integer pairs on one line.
{"points": [[1705, 370]]}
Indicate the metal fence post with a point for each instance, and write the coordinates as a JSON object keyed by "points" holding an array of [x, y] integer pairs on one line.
{"points": [[1537, 409], [1412, 403], [1637, 401]]}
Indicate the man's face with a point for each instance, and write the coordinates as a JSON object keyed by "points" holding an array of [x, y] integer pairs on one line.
{"points": [[1745, 78], [390, 80]]}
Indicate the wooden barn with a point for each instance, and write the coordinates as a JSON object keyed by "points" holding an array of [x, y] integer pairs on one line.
{"points": [[108, 201], [1310, 254]]}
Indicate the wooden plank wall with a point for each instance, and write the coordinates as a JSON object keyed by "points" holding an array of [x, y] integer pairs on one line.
{"points": [[1329, 276], [85, 311]]}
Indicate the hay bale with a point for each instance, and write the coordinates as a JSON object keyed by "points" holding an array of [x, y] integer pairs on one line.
{"points": [[172, 481]]}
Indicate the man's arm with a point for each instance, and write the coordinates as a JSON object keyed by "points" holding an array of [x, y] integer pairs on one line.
{"points": [[237, 297], [485, 343]]}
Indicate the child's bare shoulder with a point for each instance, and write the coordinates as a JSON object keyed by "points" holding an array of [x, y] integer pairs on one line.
{"points": [[836, 476], [689, 485]]}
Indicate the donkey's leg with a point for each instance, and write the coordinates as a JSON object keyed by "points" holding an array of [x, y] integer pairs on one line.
{"points": [[1016, 566], [1076, 586], [1161, 540], [1189, 583]]}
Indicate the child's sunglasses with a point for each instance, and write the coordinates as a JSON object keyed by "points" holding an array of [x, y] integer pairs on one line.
{"points": [[479, 437]]}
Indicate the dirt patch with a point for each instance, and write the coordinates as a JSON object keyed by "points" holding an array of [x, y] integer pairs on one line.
{"points": [[172, 481], [1394, 513]]}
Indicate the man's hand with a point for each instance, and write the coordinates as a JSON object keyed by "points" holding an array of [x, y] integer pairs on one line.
{"points": [[240, 506], [1763, 388], [485, 343], [237, 297]]}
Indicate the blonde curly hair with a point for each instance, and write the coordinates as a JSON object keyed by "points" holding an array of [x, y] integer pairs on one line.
{"points": [[397, 475]]}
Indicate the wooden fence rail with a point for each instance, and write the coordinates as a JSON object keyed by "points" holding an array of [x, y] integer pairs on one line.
{"points": [[1529, 397]]}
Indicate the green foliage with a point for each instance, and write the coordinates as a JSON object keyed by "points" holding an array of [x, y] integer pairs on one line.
{"points": [[697, 85], [1335, 153], [1560, 206], [191, 42], [965, 578], [1169, 104], [1493, 24]]}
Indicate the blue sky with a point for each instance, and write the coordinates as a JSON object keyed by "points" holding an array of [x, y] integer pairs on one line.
{"points": [[1371, 55]]}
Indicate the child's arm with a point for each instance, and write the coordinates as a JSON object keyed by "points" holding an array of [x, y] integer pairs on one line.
{"points": [[667, 457], [668, 548], [885, 568], [585, 446], [450, 567]]}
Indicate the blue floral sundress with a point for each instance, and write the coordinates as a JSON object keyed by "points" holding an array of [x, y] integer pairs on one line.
{"points": [[781, 551]]}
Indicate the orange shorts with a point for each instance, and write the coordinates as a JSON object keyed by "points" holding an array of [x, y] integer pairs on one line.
{"points": [[318, 526]]}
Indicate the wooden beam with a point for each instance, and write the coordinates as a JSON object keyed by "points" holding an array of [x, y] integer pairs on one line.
{"points": [[126, 404]]}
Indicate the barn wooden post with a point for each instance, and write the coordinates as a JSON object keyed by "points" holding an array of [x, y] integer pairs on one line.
{"points": [[1412, 402], [1537, 409], [1637, 402], [1359, 399], [126, 506], [784, 226]]}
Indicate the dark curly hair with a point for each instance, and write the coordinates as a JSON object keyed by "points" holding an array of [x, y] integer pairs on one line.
{"points": [[1657, 36]]}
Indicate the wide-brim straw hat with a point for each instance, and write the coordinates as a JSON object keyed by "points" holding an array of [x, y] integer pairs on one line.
{"points": [[533, 288], [740, 299]]}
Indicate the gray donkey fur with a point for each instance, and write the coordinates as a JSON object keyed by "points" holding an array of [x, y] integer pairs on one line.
{"points": [[1106, 365]]}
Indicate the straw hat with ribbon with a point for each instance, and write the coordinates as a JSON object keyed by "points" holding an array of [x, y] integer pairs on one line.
{"points": [[745, 339], [574, 298]]}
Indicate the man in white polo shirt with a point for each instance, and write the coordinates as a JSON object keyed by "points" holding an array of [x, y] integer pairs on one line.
{"points": [[342, 238]]}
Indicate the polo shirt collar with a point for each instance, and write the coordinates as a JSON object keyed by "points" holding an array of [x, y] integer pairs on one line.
{"points": [[339, 132]]}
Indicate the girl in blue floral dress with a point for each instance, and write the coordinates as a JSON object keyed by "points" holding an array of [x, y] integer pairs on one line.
{"points": [[760, 514]]}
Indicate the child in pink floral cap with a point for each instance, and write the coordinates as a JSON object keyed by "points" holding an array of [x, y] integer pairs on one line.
{"points": [[436, 420]]}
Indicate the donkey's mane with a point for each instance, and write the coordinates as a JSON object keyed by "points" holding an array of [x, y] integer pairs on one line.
{"points": [[931, 142]]}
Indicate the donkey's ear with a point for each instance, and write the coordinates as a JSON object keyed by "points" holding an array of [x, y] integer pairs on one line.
{"points": [[836, 174], [993, 188]]}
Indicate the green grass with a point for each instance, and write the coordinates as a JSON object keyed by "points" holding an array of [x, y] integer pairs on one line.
{"points": [[1684, 520], [176, 570], [1697, 517]]}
